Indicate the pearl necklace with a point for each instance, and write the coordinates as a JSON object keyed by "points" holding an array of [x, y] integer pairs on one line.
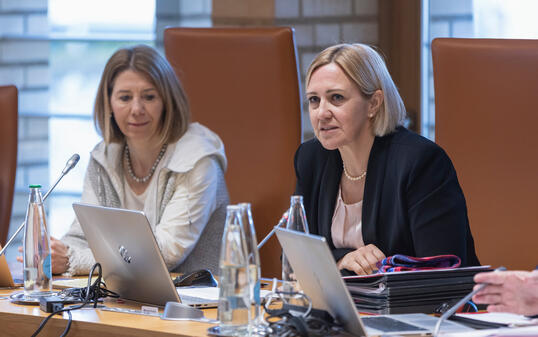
{"points": [[151, 171], [350, 177]]}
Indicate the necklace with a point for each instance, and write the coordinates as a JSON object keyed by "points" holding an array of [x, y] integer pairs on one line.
{"points": [[350, 177], [151, 171]]}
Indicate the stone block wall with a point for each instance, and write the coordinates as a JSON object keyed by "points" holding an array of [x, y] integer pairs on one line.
{"points": [[180, 13]]}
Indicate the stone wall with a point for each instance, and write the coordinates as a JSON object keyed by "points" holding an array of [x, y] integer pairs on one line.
{"points": [[180, 13]]}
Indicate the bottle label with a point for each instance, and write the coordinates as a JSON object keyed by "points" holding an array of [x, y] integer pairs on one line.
{"points": [[256, 291], [47, 270]]}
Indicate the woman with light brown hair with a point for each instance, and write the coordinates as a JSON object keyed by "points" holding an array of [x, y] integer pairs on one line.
{"points": [[153, 159], [370, 186]]}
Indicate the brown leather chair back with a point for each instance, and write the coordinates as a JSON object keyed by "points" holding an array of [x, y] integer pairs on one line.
{"points": [[8, 149], [486, 117], [243, 84]]}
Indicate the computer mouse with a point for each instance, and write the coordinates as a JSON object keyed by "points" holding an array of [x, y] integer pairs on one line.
{"points": [[200, 278]]}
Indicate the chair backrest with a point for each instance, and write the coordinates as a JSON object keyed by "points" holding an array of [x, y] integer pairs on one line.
{"points": [[8, 149], [243, 83], [486, 115]]}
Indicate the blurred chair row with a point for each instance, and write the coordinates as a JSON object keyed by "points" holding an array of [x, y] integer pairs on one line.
{"points": [[243, 83]]}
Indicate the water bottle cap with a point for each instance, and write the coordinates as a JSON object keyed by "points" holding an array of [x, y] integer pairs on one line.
{"points": [[233, 208], [35, 186], [296, 198]]}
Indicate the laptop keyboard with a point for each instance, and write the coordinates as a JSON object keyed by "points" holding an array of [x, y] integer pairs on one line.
{"points": [[388, 324]]}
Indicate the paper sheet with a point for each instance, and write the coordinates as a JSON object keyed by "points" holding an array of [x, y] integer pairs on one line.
{"points": [[210, 293], [79, 282], [526, 331], [501, 317]]}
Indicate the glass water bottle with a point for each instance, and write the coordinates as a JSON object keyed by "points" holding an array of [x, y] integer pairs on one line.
{"points": [[234, 293], [253, 260], [36, 248], [296, 221]]}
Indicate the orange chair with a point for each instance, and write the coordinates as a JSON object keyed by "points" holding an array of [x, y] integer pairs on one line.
{"points": [[486, 101], [8, 148], [243, 84]]}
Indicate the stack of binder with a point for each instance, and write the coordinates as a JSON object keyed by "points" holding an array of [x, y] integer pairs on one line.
{"points": [[411, 291]]}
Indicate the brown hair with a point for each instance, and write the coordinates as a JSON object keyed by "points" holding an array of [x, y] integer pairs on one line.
{"points": [[365, 67], [148, 62]]}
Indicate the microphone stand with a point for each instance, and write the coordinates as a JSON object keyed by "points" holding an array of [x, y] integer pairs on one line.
{"points": [[272, 232], [456, 306], [68, 166]]}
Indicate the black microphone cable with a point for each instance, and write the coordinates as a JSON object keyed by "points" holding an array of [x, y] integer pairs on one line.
{"points": [[91, 293], [288, 320]]}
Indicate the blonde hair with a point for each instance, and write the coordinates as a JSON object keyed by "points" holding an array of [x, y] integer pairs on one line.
{"points": [[365, 67], [149, 63]]}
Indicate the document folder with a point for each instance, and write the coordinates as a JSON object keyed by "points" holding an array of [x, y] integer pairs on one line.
{"points": [[411, 291]]}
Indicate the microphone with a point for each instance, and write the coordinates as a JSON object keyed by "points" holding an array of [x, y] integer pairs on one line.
{"points": [[71, 163], [272, 232], [68, 166], [461, 302]]}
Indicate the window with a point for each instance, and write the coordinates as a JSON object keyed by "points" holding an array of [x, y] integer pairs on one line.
{"points": [[56, 107], [83, 36]]}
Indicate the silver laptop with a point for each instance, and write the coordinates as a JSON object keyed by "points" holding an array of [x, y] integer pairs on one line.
{"points": [[320, 279], [123, 243]]}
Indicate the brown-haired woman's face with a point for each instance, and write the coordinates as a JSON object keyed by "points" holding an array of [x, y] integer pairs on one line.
{"points": [[137, 107]]}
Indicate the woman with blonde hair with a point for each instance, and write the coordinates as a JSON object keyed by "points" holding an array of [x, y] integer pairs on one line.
{"points": [[152, 158], [370, 186]]}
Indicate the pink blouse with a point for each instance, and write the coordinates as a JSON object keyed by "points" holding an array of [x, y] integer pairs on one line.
{"points": [[346, 228]]}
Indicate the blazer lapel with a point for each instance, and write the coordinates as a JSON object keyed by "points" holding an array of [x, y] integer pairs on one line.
{"points": [[373, 187], [330, 182]]}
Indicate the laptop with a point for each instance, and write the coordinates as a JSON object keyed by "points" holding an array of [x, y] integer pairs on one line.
{"points": [[123, 243], [322, 282]]}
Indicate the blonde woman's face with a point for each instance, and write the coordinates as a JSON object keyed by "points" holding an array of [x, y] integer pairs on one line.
{"points": [[137, 107], [339, 113]]}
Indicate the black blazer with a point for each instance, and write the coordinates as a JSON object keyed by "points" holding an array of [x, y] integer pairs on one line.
{"points": [[412, 205]]}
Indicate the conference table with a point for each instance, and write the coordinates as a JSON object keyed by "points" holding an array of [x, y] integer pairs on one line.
{"points": [[23, 320]]}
